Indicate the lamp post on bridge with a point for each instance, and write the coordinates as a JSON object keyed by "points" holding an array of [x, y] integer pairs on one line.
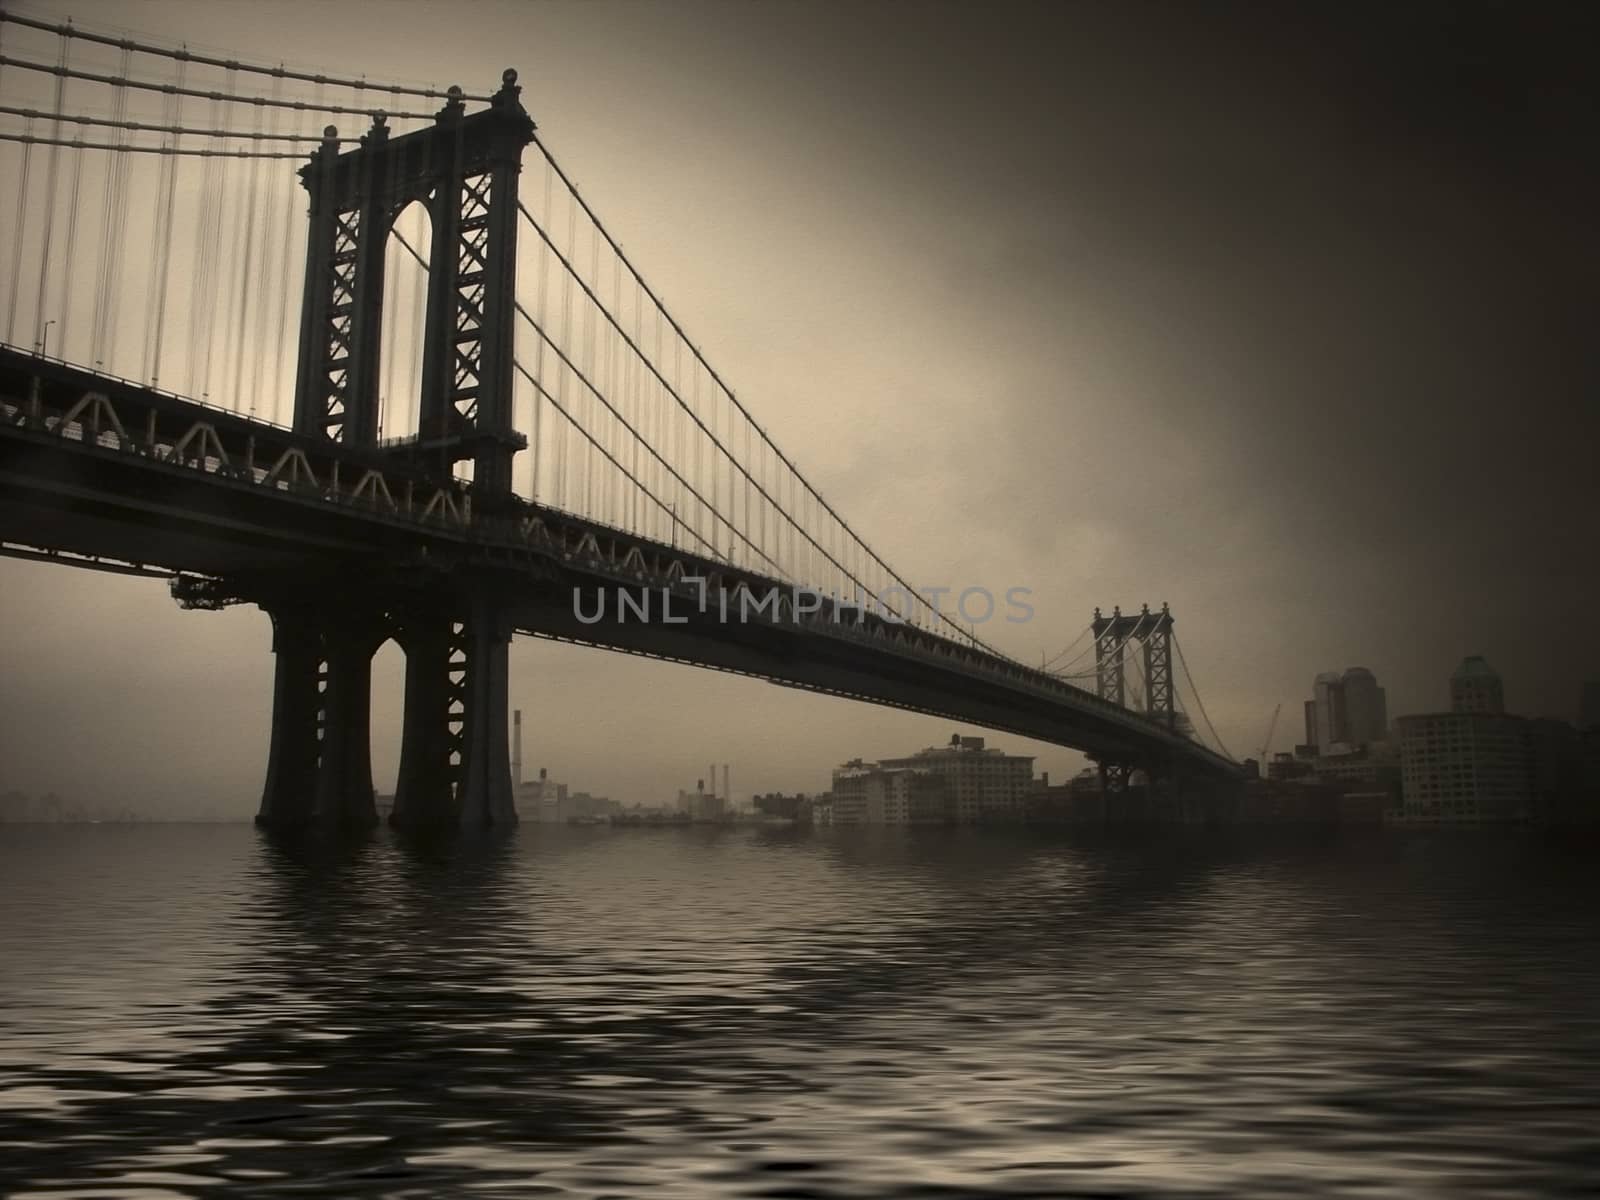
{"points": [[44, 339]]}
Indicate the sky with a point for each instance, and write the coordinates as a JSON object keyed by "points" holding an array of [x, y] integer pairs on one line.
{"points": [[1283, 315]]}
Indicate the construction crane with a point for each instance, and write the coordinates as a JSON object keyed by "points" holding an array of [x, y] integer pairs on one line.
{"points": [[1272, 725]]}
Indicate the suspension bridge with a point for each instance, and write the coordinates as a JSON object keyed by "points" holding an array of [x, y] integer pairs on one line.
{"points": [[392, 385]]}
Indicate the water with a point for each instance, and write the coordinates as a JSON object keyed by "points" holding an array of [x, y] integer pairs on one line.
{"points": [[188, 1010]]}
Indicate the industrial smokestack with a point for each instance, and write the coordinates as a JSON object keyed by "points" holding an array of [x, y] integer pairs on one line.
{"points": [[516, 747], [727, 793], [713, 779]]}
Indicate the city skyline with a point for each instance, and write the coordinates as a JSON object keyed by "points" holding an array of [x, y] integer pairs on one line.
{"points": [[1098, 269]]}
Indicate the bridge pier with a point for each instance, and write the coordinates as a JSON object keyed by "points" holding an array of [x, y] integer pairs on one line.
{"points": [[455, 754], [455, 750], [344, 772], [430, 749], [290, 793], [486, 795]]}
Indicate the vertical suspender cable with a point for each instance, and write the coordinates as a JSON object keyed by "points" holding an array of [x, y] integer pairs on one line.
{"points": [[104, 273], [201, 301], [119, 228], [19, 241], [591, 342], [163, 248], [563, 499], [285, 290], [53, 172], [248, 180], [639, 402], [544, 317], [67, 256], [388, 347]]}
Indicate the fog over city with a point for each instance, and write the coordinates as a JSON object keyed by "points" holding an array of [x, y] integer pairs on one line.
{"points": [[1268, 314]]}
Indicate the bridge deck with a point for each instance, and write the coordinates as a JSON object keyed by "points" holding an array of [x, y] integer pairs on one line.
{"points": [[96, 466]]}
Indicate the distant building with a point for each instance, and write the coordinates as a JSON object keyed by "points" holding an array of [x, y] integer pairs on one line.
{"points": [[1285, 767], [1366, 707], [581, 806], [876, 794], [1465, 767], [1078, 801], [778, 806], [1479, 764], [1372, 767], [981, 785], [961, 782], [701, 805], [540, 799], [1347, 710], [1563, 790], [1476, 688]]}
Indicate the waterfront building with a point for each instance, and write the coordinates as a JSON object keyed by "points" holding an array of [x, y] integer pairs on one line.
{"points": [[1372, 767], [701, 805], [581, 806], [877, 794], [961, 782], [982, 785], [1079, 800], [540, 799], [1464, 767], [777, 806]]}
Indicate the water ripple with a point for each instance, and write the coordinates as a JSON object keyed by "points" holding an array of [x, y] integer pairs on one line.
{"points": [[186, 1011]]}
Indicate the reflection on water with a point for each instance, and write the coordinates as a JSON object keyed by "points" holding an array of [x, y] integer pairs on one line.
{"points": [[742, 1012]]}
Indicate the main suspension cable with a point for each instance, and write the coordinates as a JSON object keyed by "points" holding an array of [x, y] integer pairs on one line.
{"points": [[124, 81], [1199, 703], [710, 370], [185, 55], [145, 127]]}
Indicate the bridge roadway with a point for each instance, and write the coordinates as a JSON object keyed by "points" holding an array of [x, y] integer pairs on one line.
{"points": [[116, 475]]}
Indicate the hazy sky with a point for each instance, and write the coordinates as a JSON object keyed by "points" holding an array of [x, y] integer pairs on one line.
{"points": [[1282, 314]]}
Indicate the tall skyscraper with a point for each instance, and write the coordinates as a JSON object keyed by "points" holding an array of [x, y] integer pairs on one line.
{"points": [[1346, 710], [1328, 694], [1476, 687], [1366, 707]]}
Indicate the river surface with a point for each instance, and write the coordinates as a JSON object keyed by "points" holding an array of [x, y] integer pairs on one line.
{"points": [[706, 1013]]}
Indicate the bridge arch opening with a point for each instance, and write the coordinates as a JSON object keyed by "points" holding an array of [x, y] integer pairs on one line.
{"points": [[387, 721], [405, 307]]}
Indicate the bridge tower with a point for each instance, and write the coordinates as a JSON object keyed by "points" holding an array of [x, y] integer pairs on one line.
{"points": [[455, 750], [464, 170], [1114, 637]]}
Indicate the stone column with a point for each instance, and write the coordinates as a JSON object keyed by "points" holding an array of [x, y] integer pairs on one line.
{"points": [[425, 793], [486, 793], [344, 775], [289, 795]]}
